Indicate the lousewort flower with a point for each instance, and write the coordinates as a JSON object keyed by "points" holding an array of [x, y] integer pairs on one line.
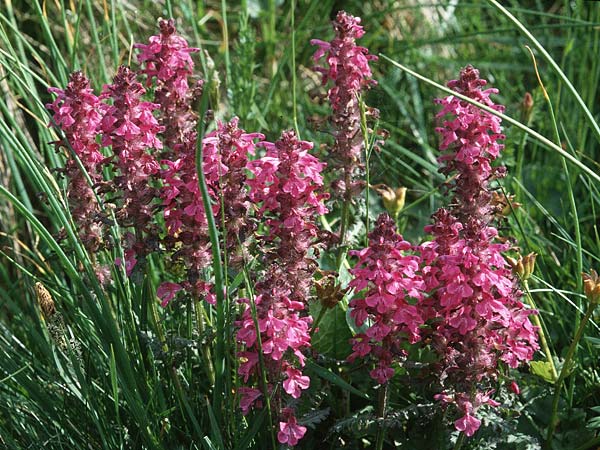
{"points": [[387, 273], [347, 67], [130, 128], [225, 155], [285, 185], [168, 65], [477, 318], [77, 113]]}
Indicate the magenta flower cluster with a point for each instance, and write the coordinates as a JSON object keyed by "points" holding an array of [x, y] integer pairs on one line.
{"points": [[225, 153], [454, 294], [389, 274], [130, 129], [347, 67], [285, 185], [78, 112], [477, 317], [457, 290], [167, 63]]}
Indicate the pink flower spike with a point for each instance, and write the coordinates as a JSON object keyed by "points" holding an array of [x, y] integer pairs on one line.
{"points": [[468, 424]]}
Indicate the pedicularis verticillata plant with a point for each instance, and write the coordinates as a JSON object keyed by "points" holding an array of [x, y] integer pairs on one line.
{"points": [[453, 295], [474, 305], [78, 112], [348, 69]]}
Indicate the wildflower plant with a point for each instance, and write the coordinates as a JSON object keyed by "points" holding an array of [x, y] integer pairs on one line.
{"points": [[478, 320], [78, 112], [285, 185], [200, 302]]}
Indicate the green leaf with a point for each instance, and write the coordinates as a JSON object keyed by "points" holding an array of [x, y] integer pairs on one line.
{"points": [[542, 369], [332, 337], [328, 375]]}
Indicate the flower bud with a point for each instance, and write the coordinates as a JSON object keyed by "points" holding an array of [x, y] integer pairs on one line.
{"points": [[523, 266], [393, 199], [503, 204], [527, 106], [45, 300], [591, 286]]}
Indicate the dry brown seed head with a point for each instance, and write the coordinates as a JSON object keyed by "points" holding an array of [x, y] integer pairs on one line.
{"points": [[45, 300]]}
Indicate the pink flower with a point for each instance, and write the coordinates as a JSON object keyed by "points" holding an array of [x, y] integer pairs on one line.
{"points": [[129, 127], [285, 186], [225, 155], [474, 307], [388, 272], [166, 292], [290, 432], [248, 397], [468, 424], [77, 113], [166, 61], [295, 382], [382, 374]]}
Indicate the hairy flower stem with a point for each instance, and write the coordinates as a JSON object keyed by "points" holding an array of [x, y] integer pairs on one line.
{"points": [[381, 411], [459, 441], [564, 373], [538, 323], [261, 361], [205, 349], [345, 218]]}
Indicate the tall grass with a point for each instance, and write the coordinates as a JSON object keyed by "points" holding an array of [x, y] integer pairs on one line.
{"points": [[133, 375]]}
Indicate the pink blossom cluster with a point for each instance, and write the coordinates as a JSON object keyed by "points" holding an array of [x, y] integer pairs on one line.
{"points": [[225, 155], [286, 183], [347, 67], [167, 63], [78, 112], [474, 309], [129, 127], [390, 307]]}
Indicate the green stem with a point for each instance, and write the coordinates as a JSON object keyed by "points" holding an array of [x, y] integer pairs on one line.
{"points": [[218, 393], [459, 441], [571, 203], [564, 373], [261, 362], [365, 132], [205, 349], [294, 82], [226, 43], [381, 411], [345, 219], [537, 322]]}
